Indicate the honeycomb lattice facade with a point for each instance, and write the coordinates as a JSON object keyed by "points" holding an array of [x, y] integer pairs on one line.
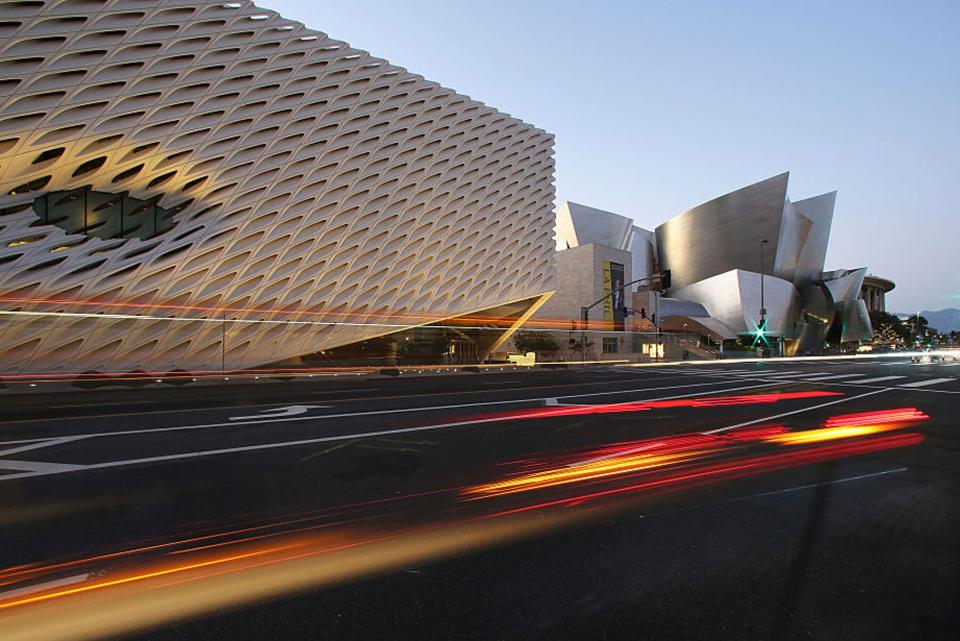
{"points": [[311, 195]]}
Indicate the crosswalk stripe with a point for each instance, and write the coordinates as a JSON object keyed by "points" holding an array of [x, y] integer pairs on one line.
{"points": [[798, 374], [831, 377], [879, 379], [692, 370], [789, 373], [929, 381]]}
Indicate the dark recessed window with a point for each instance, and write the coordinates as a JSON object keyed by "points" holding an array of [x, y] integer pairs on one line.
{"points": [[90, 165], [159, 180], [142, 148], [193, 183], [33, 185], [49, 154], [127, 173]]}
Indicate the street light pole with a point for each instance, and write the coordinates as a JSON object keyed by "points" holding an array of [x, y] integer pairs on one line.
{"points": [[656, 318], [763, 306]]}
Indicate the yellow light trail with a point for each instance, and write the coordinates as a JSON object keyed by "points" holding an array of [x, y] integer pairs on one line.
{"points": [[586, 472], [140, 577], [829, 434]]}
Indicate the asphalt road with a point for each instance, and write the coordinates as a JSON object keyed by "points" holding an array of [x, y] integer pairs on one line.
{"points": [[794, 500]]}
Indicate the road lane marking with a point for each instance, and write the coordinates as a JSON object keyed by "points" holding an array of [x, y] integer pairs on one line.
{"points": [[364, 399], [37, 444], [46, 585], [832, 377], [709, 371], [336, 447], [555, 402], [605, 457], [878, 379], [800, 411], [810, 486], [403, 410], [276, 412], [35, 468], [104, 404], [285, 444], [793, 374], [931, 381], [798, 488]]}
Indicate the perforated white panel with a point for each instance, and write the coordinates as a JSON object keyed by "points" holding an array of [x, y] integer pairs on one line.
{"points": [[310, 177]]}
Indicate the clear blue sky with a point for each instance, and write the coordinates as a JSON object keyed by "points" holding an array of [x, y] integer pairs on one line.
{"points": [[659, 106]]}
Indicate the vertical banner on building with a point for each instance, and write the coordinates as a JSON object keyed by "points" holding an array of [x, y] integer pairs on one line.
{"points": [[616, 282], [607, 298], [613, 306]]}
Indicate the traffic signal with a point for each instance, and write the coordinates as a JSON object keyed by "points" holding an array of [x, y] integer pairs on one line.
{"points": [[584, 316], [643, 313], [760, 333]]}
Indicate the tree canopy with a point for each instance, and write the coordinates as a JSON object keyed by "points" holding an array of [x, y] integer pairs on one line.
{"points": [[539, 342]]}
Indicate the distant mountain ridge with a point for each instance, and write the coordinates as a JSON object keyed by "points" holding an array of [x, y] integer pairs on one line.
{"points": [[944, 320]]}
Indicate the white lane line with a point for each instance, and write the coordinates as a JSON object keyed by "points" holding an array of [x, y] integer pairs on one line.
{"points": [[800, 411], [834, 482], [798, 488], [46, 585], [632, 450], [276, 412], [284, 444], [36, 445], [35, 468], [404, 410], [789, 374], [878, 379], [555, 402], [832, 377], [104, 404], [803, 374], [718, 372], [931, 381], [752, 373]]}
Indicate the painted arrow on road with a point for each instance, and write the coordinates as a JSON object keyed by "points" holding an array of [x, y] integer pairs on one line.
{"points": [[276, 412]]}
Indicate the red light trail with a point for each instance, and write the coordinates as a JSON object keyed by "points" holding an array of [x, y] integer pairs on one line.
{"points": [[560, 482]]}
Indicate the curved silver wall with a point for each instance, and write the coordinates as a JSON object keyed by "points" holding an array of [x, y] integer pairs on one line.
{"points": [[733, 298], [723, 234], [713, 252]]}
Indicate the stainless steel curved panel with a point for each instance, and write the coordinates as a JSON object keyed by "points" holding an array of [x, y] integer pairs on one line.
{"points": [[724, 234]]}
